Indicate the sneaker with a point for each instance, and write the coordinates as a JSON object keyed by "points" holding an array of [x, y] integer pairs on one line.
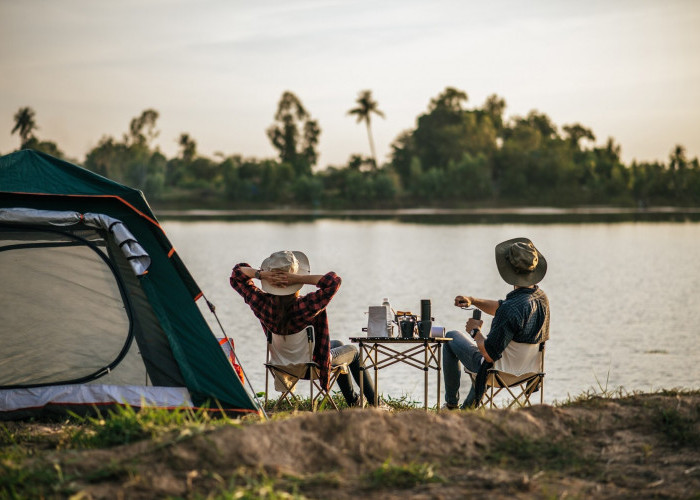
{"points": [[448, 406]]}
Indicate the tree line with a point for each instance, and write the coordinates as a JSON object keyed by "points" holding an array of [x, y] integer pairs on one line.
{"points": [[454, 156]]}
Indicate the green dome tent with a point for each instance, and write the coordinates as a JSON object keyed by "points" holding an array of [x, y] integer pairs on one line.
{"points": [[97, 308]]}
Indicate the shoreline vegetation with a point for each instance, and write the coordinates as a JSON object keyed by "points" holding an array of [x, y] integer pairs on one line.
{"points": [[595, 445], [454, 156], [445, 215]]}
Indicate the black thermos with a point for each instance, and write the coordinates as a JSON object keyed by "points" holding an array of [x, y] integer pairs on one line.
{"points": [[425, 310]]}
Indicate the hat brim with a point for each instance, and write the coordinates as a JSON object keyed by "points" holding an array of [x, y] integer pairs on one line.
{"points": [[508, 273], [304, 268]]}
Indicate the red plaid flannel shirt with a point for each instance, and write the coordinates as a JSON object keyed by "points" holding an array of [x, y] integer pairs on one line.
{"points": [[308, 310]]}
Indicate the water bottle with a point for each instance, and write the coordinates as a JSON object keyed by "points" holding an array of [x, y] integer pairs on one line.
{"points": [[389, 318]]}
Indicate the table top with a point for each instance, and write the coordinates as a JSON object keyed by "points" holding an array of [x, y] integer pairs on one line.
{"points": [[400, 340]]}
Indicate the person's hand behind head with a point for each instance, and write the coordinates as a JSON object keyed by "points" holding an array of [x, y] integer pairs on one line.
{"points": [[278, 278]]}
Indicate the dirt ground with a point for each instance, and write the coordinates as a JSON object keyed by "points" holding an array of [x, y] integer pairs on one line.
{"points": [[643, 446]]}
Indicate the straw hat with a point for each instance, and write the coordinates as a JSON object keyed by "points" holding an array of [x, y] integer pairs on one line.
{"points": [[294, 262], [519, 262]]}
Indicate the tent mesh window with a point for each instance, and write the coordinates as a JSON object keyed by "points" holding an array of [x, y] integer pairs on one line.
{"points": [[70, 317]]}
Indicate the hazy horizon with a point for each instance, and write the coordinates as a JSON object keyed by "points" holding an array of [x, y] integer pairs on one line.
{"points": [[216, 69]]}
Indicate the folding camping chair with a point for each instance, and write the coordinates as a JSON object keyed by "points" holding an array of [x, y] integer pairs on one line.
{"points": [[519, 372], [290, 359]]}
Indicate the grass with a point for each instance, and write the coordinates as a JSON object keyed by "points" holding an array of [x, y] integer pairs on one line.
{"points": [[126, 425], [678, 428], [302, 403], [594, 395], [17, 480], [254, 487], [389, 476], [27, 472], [400, 403], [528, 453]]}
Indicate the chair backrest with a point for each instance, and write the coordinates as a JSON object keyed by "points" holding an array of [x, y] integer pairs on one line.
{"points": [[520, 372], [291, 355], [520, 358], [294, 349]]}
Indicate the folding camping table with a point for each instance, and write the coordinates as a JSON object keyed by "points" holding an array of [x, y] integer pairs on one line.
{"points": [[381, 352]]}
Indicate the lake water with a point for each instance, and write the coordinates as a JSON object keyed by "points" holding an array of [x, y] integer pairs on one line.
{"points": [[622, 295]]}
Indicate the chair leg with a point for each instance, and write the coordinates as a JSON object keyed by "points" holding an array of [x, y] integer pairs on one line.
{"points": [[287, 394], [322, 397], [322, 394], [311, 389], [521, 393], [289, 397]]}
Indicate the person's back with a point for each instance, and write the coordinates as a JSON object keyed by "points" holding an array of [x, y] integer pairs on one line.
{"points": [[282, 311], [523, 316]]}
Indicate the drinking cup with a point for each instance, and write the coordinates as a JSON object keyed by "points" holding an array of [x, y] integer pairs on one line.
{"points": [[407, 328], [424, 329]]}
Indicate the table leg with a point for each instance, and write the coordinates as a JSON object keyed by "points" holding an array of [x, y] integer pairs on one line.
{"points": [[425, 372], [439, 370], [376, 377], [362, 373]]}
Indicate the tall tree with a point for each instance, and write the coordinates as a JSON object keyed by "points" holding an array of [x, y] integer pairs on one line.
{"points": [[294, 134], [576, 132], [24, 125], [188, 147], [142, 129], [494, 107], [448, 131], [131, 161], [366, 105], [450, 100]]}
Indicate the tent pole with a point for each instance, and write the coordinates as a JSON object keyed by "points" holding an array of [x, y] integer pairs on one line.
{"points": [[212, 308]]}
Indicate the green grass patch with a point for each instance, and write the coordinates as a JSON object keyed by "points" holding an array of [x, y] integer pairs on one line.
{"points": [[253, 487], [302, 403], [127, 425], [678, 429], [529, 453], [45, 480], [406, 476], [403, 403], [328, 480]]}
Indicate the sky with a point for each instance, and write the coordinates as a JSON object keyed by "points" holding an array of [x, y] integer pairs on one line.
{"points": [[215, 69]]}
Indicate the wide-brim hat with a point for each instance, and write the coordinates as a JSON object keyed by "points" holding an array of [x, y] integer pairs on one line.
{"points": [[292, 261], [520, 263]]}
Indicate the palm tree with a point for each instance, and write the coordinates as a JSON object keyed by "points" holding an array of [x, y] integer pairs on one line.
{"points": [[188, 147], [24, 124], [366, 105]]}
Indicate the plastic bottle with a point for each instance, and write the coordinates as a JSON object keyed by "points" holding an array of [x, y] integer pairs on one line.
{"points": [[389, 318]]}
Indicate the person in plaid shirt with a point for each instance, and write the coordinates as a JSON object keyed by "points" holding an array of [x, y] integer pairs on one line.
{"points": [[281, 310]]}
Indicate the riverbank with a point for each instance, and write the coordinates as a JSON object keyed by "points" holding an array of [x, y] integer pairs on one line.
{"points": [[447, 215], [644, 446]]}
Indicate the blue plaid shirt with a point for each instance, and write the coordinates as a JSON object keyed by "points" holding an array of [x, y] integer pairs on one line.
{"points": [[522, 317]]}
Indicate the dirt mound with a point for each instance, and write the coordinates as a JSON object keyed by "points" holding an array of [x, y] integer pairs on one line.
{"points": [[643, 446]]}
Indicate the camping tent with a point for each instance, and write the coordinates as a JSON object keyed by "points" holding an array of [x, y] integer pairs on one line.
{"points": [[96, 307]]}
